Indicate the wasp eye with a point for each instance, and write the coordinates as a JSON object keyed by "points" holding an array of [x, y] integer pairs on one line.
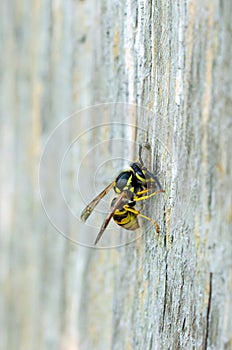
{"points": [[139, 173]]}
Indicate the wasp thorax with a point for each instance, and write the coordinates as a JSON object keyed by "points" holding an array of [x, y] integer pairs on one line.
{"points": [[124, 182]]}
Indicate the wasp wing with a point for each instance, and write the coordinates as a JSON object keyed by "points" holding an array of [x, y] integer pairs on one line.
{"points": [[89, 208], [117, 205]]}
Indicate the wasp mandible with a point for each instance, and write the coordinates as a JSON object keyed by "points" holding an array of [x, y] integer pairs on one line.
{"points": [[132, 185]]}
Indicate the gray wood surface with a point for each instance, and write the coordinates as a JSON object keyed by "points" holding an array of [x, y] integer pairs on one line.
{"points": [[115, 74]]}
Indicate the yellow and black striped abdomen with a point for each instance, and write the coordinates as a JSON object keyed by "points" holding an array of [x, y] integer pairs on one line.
{"points": [[126, 219]]}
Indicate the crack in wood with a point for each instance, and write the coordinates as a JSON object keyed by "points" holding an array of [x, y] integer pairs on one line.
{"points": [[208, 311], [151, 342], [165, 293]]}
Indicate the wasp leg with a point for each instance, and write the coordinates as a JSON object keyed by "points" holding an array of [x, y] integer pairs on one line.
{"points": [[143, 191], [147, 190], [136, 212], [148, 196]]}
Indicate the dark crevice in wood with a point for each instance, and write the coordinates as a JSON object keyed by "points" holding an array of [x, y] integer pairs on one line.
{"points": [[151, 342], [183, 325], [210, 191], [208, 311], [181, 299], [166, 274], [165, 293]]}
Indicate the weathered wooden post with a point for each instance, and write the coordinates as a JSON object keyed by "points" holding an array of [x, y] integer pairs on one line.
{"points": [[150, 72]]}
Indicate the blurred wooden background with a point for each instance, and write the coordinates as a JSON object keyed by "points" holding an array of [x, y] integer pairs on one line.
{"points": [[59, 57]]}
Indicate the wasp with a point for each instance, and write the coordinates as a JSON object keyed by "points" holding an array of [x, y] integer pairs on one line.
{"points": [[132, 185]]}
